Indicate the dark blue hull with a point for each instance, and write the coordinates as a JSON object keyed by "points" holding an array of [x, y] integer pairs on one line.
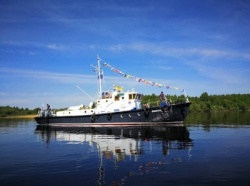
{"points": [[175, 113]]}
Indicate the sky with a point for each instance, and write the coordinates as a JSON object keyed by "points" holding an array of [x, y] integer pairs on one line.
{"points": [[47, 48]]}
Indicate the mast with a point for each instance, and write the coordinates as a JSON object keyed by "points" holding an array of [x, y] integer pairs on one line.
{"points": [[100, 75], [99, 72]]}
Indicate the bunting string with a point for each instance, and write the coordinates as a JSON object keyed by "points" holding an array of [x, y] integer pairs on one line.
{"points": [[141, 80]]}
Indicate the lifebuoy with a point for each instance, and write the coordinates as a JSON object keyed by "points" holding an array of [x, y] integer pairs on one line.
{"points": [[107, 95], [109, 117], [146, 112], [92, 118]]}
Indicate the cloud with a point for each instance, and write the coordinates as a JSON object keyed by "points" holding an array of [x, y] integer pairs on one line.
{"points": [[52, 76], [67, 78], [34, 45], [184, 52], [22, 43], [233, 72], [64, 78], [3, 94], [31, 53], [55, 46], [217, 64], [161, 49], [116, 48], [165, 67]]}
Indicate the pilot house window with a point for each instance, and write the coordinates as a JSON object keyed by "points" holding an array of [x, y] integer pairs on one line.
{"points": [[134, 96], [116, 98]]}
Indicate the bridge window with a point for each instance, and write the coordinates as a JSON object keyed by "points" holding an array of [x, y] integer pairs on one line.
{"points": [[134, 96]]}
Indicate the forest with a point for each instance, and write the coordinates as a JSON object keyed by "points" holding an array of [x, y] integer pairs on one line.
{"points": [[204, 103], [207, 103], [6, 111]]}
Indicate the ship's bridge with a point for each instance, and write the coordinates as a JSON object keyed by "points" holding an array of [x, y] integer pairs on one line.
{"points": [[119, 101]]}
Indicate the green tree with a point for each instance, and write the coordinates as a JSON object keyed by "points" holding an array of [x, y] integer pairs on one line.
{"points": [[204, 96]]}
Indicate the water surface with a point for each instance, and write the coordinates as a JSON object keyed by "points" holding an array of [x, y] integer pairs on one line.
{"points": [[209, 149]]}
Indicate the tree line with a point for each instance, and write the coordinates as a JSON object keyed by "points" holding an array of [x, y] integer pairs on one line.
{"points": [[206, 102], [203, 103], [16, 111]]}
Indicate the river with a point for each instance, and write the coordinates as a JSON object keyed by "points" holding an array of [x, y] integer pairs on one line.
{"points": [[209, 149]]}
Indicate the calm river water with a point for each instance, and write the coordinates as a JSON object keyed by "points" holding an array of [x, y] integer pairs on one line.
{"points": [[209, 149]]}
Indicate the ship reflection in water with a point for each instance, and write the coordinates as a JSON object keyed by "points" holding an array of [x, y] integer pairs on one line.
{"points": [[127, 144]]}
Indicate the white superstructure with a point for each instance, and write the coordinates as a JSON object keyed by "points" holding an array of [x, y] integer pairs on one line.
{"points": [[107, 102]]}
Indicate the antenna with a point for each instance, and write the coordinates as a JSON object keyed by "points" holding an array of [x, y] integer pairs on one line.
{"points": [[85, 93]]}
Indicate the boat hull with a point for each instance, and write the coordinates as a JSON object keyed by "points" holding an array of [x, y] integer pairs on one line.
{"points": [[175, 113]]}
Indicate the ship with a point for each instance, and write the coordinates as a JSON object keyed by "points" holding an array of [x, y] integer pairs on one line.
{"points": [[115, 107]]}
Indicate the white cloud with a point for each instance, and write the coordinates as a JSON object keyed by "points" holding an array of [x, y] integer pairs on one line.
{"points": [[116, 48], [211, 63], [3, 94], [32, 53], [54, 46], [182, 52], [52, 76]]}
